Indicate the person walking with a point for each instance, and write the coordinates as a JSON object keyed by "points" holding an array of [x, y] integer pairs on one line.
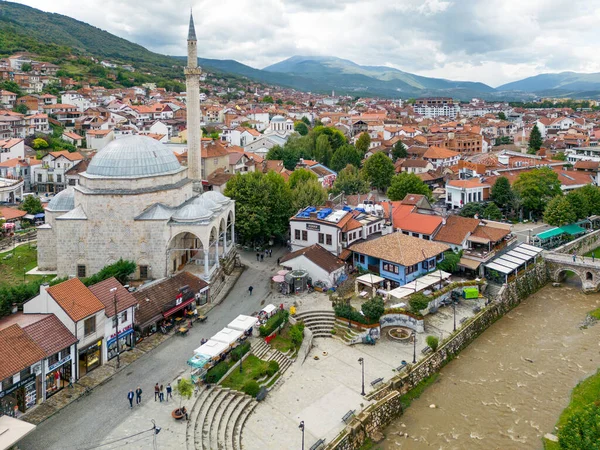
{"points": [[130, 398], [262, 257], [278, 259], [574, 256], [257, 256], [169, 390], [161, 396], [138, 395], [156, 391], [250, 289]]}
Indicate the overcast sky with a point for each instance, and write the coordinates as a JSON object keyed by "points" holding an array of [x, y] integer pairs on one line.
{"points": [[477, 40]]}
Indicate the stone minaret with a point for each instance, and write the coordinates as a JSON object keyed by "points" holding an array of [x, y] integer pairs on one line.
{"points": [[192, 84]]}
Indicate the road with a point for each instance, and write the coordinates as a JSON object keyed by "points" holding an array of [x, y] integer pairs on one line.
{"points": [[92, 418], [526, 230]]}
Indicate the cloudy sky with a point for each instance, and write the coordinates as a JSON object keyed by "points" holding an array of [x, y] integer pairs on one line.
{"points": [[475, 40]]}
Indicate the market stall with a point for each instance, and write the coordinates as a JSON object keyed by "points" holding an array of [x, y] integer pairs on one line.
{"points": [[228, 336], [213, 349], [243, 323]]}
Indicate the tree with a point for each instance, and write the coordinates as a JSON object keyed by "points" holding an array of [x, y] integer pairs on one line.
{"points": [[399, 151], [306, 120], [309, 193], [450, 262], [39, 143], [432, 342], [279, 203], [418, 302], [492, 212], [300, 176], [471, 210], [335, 136], [301, 128], [501, 115], [251, 210], [407, 183], [267, 99], [279, 101], [379, 170], [535, 139], [121, 270], [536, 188], [559, 212], [582, 430], [26, 67], [373, 309], [350, 181], [11, 86], [346, 154], [363, 142], [592, 196], [560, 156], [322, 151], [501, 192], [32, 204], [579, 204], [184, 389], [21, 108]]}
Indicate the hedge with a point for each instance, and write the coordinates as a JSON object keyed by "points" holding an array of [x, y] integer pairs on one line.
{"points": [[273, 323], [216, 372], [272, 368], [240, 351], [346, 311], [251, 388]]}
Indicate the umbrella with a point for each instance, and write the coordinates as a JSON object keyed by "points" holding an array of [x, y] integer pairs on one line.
{"points": [[282, 272], [278, 279]]}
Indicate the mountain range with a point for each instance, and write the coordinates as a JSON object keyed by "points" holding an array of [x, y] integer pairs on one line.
{"points": [[21, 30]]}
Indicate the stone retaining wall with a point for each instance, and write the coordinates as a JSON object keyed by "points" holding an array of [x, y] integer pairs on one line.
{"points": [[305, 346], [513, 293], [402, 320], [582, 245]]}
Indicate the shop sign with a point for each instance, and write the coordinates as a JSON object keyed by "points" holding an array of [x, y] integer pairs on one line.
{"points": [[122, 332], [178, 299], [17, 385], [311, 226], [57, 364]]}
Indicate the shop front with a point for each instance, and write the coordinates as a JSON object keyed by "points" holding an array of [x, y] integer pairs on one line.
{"points": [[90, 358], [19, 397], [126, 342], [58, 375]]}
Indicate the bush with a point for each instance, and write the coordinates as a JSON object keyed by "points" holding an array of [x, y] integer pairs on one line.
{"points": [[251, 388], [273, 323], [433, 342], [217, 372], [296, 333], [240, 350], [418, 302], [346, 311], [373, 309], [272, 368]]}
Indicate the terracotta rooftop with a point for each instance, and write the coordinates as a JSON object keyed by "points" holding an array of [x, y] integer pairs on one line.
{"points": [[50, 334], [17, 351], [11, 213], [434, 152], [318, 255], [75, 299], [492, 233], [456, 229], [399, 248], [124, 298]]}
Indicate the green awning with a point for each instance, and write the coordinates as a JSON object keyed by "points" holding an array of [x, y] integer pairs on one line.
{"points": [[550, 233], [573, 229]]}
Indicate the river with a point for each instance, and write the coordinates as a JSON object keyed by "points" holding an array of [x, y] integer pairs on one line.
{"points": [[507, 389]]}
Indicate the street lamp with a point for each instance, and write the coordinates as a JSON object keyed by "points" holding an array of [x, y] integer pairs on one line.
{"points": [[301, 426], [114, 291], [361, 361], [414, 334], [454, 310]]}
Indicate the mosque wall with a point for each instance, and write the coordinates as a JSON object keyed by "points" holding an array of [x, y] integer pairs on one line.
{"points": [[108, 183], [46, 249]]}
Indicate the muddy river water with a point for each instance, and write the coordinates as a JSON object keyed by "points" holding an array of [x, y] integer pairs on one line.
{"points": [[507, 389]]}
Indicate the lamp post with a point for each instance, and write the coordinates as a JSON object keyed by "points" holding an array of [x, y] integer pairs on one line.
{"points": [[301, 426], [454, 311], [361, 361], [414, 334], [114, 291]]}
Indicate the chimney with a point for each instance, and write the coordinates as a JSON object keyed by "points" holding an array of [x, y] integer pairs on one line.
{"points": [[14, 309]]}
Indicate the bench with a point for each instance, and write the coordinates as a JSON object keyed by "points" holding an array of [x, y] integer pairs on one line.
{"points": [[376, 381], [318, 445], [348, 416], [402, 367], [426, 349], [462, 320]]}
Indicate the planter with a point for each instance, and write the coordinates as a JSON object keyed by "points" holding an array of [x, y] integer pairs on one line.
{"points": [[179, 413]]}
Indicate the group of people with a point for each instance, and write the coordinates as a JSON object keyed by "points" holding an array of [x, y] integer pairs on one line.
{"points": [[137, 395], [582, 257], [260, 256], [159, 392]]}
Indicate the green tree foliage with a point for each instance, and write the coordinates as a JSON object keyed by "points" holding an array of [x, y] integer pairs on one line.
{"points": [[300, 176], [309, 193], [502, 140], [399, 151], [346, 154], [450, 262], [536, 188], [301, 128], [279, 101], [501, 192], [560, 156], [295, 148], [471, 210], [346, 311], [592, 196], [11, 86], [373, 309], [407, 183], [418, 302], [121, 270], [21, 108], [218, 371], [582, 430], [501, 116], [267, 99], [184, 389], [272, 368], [579, 204], [559, 212], [433, 342], [39, 143], [350, 181], [32, 204], [296, 333], [335, 136], [322, 152], [492, 212], [535, 139], [251, 388], [363, 142], [306, 120], [379, 170]]}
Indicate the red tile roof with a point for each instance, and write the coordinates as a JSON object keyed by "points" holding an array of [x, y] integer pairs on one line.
{"points": [[17, 351], [11, 213], [75, 299], [456, 229], [124, 298], [50, 334], [434, 152], [318, 255]]}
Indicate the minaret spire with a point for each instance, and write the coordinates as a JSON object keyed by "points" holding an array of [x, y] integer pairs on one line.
{"points": [[194, 132], [192, 30]]}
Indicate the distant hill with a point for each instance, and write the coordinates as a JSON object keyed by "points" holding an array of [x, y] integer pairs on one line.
{"points": [[563, 83]]}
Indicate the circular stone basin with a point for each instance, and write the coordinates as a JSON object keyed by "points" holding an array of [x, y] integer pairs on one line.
{"points": [[399, 333]]}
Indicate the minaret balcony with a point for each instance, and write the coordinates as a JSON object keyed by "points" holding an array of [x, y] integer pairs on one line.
{"points": [[193, 71]]}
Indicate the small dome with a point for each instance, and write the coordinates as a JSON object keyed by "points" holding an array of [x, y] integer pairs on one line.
{"points": [[207, 203], [191, 213], [63, 201], [278, 119], [133, 156], [216, 197]]}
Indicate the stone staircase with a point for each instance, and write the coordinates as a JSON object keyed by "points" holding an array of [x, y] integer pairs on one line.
{"points": [[320, 322], [345, 334], [217, 419], [263, 351]]}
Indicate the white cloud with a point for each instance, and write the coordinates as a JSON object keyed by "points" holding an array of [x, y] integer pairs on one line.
{"points": [[476, 40]]}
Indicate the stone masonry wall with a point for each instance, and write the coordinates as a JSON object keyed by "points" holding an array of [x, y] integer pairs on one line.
{"points": [[581, 245], [513, 293]]}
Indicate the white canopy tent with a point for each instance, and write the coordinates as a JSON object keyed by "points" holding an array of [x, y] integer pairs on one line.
{"points": [[419, 284], [369, 280], [12, 431], [243, 323], [227, 336], [212, 348]]}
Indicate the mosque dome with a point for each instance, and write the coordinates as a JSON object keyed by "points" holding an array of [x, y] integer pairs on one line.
{"points": [[216, 197], [63, 201], [191, 213], [278, 119], [207, 203], [133, 156]]}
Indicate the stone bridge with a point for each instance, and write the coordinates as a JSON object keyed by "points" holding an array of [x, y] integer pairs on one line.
{"points": [[588, 272]]}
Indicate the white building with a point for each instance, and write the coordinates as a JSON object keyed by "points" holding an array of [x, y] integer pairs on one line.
{"points": [[461, 192], [82, 103], [98, 139], [50, 175], [11, 148], [441, 157], [280, 126], [320, 264], [436, 107]]}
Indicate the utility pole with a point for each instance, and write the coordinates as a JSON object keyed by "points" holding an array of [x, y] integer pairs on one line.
{"points": [[114, 291]]}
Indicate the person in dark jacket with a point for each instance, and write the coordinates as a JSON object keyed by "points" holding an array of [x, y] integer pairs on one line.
{"points": [[138, 395], [130, 398], [156, 392]]}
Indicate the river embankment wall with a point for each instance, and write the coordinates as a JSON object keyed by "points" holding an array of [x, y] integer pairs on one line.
{"points": [[387, 406]]}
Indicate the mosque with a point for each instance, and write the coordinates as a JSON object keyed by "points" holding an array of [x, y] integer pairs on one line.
{"points": [[136, 202]]}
